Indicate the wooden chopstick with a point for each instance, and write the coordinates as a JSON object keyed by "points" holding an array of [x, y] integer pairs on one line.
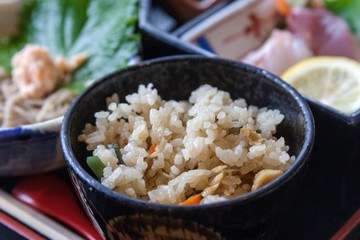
{"points": [[350, 224], [34, 219], [21, 229]]}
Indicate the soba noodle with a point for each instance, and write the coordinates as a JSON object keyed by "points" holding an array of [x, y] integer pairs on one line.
{"points": [[30, 94], [17, 110]]}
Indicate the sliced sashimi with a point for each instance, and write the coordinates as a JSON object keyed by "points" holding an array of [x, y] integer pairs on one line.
{"points": [[281, 50], [324, 32]]}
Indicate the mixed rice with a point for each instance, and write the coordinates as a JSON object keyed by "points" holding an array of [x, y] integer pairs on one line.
{"points": [[207, 149]]}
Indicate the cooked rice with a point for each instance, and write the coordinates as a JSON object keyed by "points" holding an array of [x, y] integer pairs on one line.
{"points": [[211, 145]]}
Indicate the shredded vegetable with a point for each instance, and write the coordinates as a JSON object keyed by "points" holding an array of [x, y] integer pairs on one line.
{"points": [[96, 165], [283, 7], [117, 152], [152, 149], [193, 200]]}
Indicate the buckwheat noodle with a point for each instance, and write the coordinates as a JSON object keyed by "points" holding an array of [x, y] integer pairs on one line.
{"points": [[16, 110]]}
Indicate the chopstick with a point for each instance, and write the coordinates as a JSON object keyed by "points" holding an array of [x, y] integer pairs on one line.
{"points": [[18, 227], [34, 219], [346, 229]]}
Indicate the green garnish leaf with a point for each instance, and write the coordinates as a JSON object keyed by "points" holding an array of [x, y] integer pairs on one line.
{"points": [[348, 10], [190, 117], [8, 47], [116, 149], [104, 30], [96, 165]]}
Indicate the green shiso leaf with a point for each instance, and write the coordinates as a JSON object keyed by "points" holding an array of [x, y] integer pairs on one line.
{"points": [[104, 30], [348, 10], [8, 47]]}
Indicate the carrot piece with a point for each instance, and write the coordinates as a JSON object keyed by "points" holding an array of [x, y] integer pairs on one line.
{"points": [[283, 7], [193, 200], [152, 149]]}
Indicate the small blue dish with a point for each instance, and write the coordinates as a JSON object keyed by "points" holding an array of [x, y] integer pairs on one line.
{"points": [[257, 215], [34, 148], [31, 149]]}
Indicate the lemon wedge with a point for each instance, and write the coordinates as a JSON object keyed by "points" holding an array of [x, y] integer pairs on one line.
{"points": [[334, 81]]}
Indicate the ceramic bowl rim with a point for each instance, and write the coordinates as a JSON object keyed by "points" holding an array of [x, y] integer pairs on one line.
{"points": [[300, 162]]}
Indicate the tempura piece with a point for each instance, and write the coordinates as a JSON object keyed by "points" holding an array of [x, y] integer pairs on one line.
{"points": [[37, 74]]}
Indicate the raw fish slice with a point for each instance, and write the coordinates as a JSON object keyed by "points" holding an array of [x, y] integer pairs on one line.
{"points": [[324, 32], [281, 50]]}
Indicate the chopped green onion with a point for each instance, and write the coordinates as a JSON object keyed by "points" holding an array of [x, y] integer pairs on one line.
{"points": [[116, 149], [258, 131], [96, 165], [190, 117]]}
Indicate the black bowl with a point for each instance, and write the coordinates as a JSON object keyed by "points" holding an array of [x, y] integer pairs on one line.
{"points": [[257, 215]]}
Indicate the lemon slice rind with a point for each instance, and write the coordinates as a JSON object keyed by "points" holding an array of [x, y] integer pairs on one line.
{"points": [[334, 81]]}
